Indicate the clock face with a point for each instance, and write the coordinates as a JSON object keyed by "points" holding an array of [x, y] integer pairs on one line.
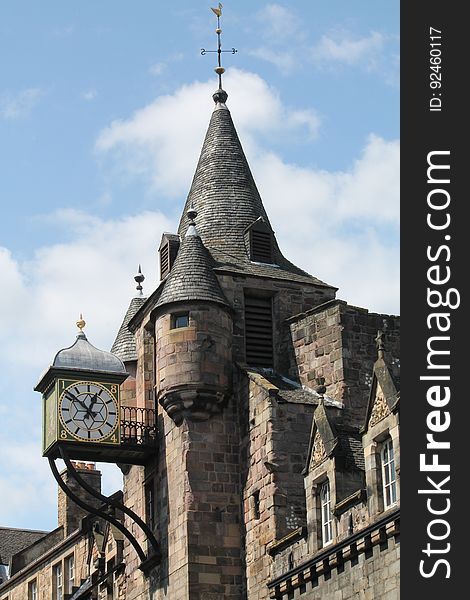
{"points": [[88, 411]]}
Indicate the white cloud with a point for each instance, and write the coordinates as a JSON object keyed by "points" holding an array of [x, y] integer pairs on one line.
{"points": [[19, 104], [89, 95], [158, 68], [91, 273], [150, 143], [342, 226], [278, 23], [282, 59], [341, 47]]}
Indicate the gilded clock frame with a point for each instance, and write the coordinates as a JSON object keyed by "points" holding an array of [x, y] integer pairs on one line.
{"points": [[65, 435]]}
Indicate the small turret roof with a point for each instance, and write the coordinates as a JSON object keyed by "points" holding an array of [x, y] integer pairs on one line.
{"points": [[124, 345], [192, 276]]}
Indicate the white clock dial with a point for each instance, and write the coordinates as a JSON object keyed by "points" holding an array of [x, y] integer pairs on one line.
{"points": [[88, 411]]}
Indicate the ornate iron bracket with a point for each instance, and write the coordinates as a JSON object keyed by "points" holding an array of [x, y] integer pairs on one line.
{"points": [[147, 561]]}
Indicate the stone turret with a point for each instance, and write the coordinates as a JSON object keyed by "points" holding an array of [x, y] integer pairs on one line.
{"points": [[193, 332]]}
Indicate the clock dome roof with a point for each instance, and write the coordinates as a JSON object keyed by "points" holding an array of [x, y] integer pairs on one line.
{"points": [[84, 356]]}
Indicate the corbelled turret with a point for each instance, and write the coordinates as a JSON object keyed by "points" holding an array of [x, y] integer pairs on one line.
{"points": [[193, 332]]}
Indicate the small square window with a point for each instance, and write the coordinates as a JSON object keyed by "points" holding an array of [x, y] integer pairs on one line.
{"points": [[181, 320]]}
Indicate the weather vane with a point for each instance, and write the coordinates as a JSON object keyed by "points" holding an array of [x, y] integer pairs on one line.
{"points": [[219, 69]]}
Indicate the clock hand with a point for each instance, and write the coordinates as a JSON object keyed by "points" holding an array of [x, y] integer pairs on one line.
{"points": [[75, 399], [92, 402]]}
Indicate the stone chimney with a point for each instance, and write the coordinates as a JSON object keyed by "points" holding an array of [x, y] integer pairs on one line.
{"points": [[69, 514]]}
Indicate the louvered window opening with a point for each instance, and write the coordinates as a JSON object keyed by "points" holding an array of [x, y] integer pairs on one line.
{"points": [[164, 261], [261, 246], [259, 331]]}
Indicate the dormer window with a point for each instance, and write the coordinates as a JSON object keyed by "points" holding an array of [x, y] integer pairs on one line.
{"points": [[260, 242], [168, 250]]}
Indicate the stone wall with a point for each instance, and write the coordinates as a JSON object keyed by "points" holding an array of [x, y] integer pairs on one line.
{"points": [[145, 370], [193, 363], [370, 574], [336, 341], [273, 450]]}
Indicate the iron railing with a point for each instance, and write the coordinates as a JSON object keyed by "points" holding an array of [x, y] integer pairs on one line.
{"points": [[138, 426]]}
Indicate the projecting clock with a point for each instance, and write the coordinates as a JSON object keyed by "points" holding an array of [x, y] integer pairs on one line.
{"points": [[89, 411]]}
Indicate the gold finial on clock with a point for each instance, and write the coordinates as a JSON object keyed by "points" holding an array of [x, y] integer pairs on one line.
{"points": [[81, 323]]}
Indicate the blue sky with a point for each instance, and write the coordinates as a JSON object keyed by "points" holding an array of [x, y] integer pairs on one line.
{"points": [[103, 109]]}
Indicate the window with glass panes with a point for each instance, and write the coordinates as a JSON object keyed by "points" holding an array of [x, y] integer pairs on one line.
{"points": [[58, 582], [326, 514], [33, 590], [69, 573], [389, 481]]}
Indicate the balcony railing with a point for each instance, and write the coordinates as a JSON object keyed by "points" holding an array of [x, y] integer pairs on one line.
{"points": [[138, 426]]}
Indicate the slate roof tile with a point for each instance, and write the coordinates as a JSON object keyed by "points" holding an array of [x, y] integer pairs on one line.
{"points": [[192, 276], [14, 540], [124, 345], [350, 446]]}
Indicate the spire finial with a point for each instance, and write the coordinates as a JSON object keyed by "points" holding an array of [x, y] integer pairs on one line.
{"points": [[220, 95], [379, 340], [191, 214], [139, 278], [81, 323]]}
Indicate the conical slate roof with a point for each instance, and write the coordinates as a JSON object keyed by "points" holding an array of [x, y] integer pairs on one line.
{"points": [[124, 345], [192, 276], [225, 196]]}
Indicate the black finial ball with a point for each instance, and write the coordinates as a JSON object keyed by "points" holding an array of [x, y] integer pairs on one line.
{"points": [[220, 96], [192, 214]]}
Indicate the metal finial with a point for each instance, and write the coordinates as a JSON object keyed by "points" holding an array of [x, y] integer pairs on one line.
{"points": [[139, 278], [81, 323], [191, 214], [218, 96], [379, 340]]}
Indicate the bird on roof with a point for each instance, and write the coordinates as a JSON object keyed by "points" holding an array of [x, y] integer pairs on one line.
{"points": [[217, 11]]}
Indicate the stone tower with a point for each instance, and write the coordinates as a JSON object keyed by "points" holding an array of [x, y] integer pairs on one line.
{"points": [[235, 349]]}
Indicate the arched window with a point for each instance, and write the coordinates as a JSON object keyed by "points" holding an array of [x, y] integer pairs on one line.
{"points": [[326, 514], [389, 481]]}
